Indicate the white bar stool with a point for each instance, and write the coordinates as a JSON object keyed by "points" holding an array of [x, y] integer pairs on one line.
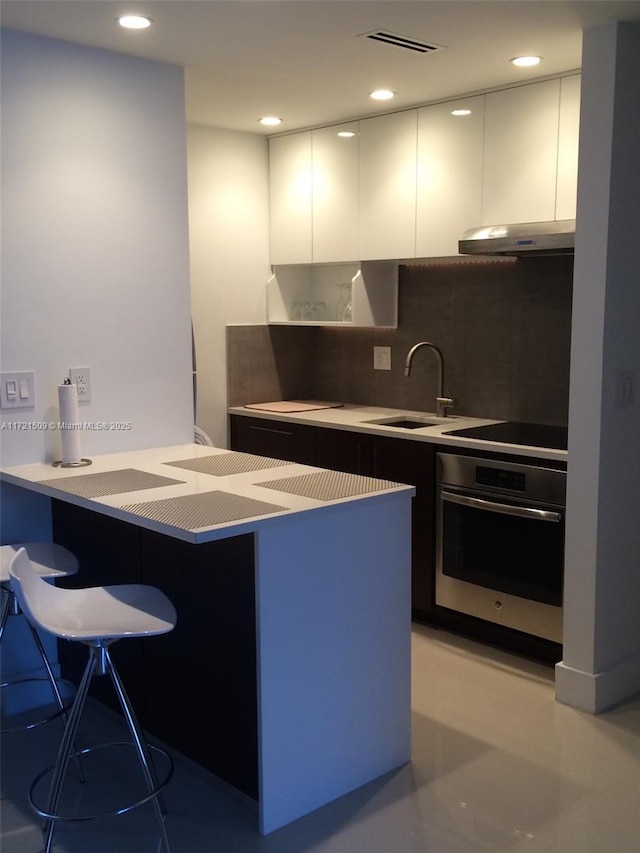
{"points": [[50, 561], [96, 617]]}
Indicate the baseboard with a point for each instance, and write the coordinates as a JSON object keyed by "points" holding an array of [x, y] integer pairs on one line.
{"points": [[599, 691]]}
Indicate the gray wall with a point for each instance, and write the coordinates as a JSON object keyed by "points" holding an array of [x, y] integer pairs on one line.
{"points": [[504, 326]]}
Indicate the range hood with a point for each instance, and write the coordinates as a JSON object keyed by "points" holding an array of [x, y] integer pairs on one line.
{"points": [[525, 238]]}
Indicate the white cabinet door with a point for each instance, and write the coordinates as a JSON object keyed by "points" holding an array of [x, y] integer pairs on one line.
{"points": [[387, 209], [567, 185], [449, 175], [520, 154], [335, 193], [290, 201]]}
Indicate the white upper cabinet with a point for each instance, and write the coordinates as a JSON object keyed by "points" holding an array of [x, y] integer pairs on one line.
{"points": [[449, 180], [335, 193], [387, 210], [408, 184], [290, 198], [520, 154], [567, 185]]}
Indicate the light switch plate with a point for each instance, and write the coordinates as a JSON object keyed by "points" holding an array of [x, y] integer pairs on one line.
{"points": [[17, 390]]}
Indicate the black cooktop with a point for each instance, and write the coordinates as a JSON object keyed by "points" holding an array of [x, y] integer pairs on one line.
{"points": [[517, 432]]}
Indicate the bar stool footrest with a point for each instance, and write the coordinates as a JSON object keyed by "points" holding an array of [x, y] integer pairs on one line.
{"points": [[27, 726], [148, 796]]}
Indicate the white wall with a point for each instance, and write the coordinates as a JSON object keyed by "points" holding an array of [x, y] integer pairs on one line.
{"points": [[95, 268], [601, 662], [229, 231]]}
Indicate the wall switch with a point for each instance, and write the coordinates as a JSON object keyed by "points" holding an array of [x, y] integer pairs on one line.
{"points": [[625, 388], [382, 358], [81, 378], [17, 390]]}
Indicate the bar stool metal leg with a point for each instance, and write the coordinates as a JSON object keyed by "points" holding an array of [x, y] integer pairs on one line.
{"points": [[96, 617], [50, 561], [10, 607], [6, 605], [64, 752], [100, 663], [56, 692], [141, 748]]}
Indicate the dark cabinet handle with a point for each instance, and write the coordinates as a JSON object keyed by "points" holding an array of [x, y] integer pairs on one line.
{"points": [[376, 456], [272, 429]]}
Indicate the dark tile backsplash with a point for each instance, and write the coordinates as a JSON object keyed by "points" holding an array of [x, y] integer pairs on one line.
{"points": [[503, 325], [268, 363]]}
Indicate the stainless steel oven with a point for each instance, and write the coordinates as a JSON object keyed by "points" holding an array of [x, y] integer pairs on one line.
{"points": [[500, 542]]}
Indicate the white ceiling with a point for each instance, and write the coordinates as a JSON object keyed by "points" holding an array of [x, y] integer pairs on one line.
{"points": [[305, 60]]}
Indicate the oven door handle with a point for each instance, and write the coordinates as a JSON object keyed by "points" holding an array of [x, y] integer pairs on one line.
{"points": [[505, 509]]}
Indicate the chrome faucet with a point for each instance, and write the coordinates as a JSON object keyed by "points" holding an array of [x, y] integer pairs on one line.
{"points": [[442, 402]]}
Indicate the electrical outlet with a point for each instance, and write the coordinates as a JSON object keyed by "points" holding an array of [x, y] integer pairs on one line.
{"points": [[382, 358], [81, 378]]}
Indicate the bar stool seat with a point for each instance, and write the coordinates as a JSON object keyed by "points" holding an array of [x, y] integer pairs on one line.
{"points": [[50, 561], [96, 617]]}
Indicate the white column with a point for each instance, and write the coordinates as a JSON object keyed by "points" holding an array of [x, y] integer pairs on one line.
{"points": [[601, 664], [333, 610]]}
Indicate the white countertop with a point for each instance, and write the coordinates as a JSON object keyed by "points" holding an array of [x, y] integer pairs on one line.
{"points": [[236, 490], [355, 419]]}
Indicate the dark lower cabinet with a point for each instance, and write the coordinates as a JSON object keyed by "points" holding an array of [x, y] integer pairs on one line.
{"points": [[413, 462], [340, 450], [394, 459], [195, 688], [402, 461], [277, 439], [201, 679], [410, 462]]}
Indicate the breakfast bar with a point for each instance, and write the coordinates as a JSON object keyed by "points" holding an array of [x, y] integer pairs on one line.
{"points": [[288, 674]]}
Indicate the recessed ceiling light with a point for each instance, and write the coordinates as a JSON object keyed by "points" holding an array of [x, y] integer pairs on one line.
{"points": [[382, 94], [134, 22], [525, 61], [270, 120], [346, 134], [460, 112]]}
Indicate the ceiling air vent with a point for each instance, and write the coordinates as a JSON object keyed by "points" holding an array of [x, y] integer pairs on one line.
{"points": [[402, 41]]}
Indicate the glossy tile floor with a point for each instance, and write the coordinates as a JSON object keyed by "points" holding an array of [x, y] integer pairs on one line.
{"points": [[497, 766]]}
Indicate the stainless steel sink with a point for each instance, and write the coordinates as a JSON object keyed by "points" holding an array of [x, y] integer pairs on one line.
{"points": [[409, 422]]}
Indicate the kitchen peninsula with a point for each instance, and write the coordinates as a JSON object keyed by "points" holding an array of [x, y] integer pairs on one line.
{"points": [[288, 674]]}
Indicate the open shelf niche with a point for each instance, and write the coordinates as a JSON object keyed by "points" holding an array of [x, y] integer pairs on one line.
{"points": [[316, 294]]}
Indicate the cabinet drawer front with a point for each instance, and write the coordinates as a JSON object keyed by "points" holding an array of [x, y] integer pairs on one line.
{"points": [[277, 439]]}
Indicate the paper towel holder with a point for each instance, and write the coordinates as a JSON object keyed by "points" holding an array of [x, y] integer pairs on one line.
{"points": [[80, 463]]}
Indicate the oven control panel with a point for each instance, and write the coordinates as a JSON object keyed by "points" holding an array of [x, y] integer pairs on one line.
{"points": [[534, 483], [501, 478]]}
